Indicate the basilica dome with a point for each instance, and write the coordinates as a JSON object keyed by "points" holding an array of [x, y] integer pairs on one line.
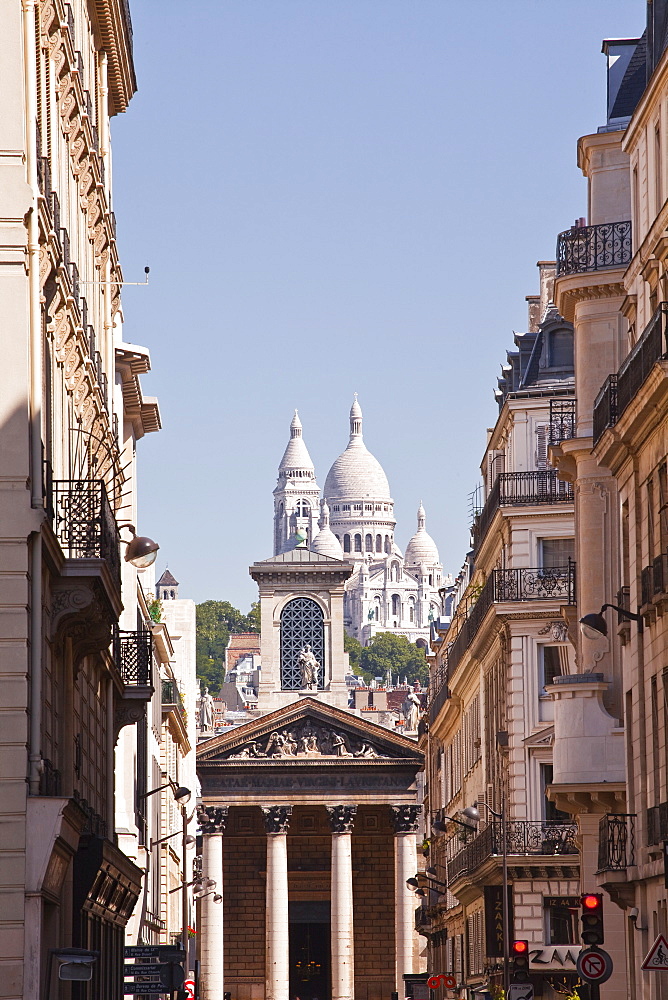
{"points": [[325, 542], [356, 473], [421, 550]]}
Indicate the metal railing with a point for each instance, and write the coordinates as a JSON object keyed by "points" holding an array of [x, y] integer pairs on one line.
{"points": [[524, 838], [521, 489], [133, 653], [84, 523], [594, 248], [660, 574], [605, 408], [616, 841], [562, 420], [623, 601], [507, 585]]}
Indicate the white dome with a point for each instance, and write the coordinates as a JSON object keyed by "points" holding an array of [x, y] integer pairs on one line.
{"points": [[421, 550], [356, 474], [325, 542], [296, 457]]}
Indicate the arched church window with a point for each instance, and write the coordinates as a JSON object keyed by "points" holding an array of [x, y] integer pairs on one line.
{"points": [[303, 508], [346, 543], [388, 547], [376, 609], [379, 543], [302, 623], [281, 508], [396, 605], [411, 609], [430, 580], [368, 543], [358, 543]]}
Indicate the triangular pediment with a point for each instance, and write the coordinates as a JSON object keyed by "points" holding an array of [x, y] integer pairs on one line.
{"points": [[544, 738], [299, 555], [308, 731]]}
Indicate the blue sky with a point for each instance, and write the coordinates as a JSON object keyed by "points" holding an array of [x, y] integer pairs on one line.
{"points": [[339, 196]]}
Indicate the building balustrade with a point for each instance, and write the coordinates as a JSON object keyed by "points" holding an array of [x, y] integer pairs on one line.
{"points": [[84, 523], [594, 248], [510, 585], [616, 842], [562, 420], [524, 838], [133, 654], [521, 489], [172, 699], [618, 390]]}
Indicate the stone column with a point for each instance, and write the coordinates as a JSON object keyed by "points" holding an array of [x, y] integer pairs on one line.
{"points": [[405, 822], [212, 820], [277, 928], [343, 944]]}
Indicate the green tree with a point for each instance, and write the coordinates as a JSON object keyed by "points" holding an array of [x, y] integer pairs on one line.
{"points": [[395, 654], [353, 647], [216, 621]]}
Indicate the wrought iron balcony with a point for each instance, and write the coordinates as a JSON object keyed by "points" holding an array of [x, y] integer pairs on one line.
{"points": [[556, 583], [594, 248], [605, 408], [84, 523], [616, 841], [521, 489], [133, 653], [524, 838], [618, 390], [562, 420]]}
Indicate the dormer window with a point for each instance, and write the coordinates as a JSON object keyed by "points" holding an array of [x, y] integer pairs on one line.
{"points": [[560, 349]]}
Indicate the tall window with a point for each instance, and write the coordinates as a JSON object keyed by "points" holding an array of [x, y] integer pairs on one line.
{"points": [[561, 349], [550, 811], [658, 170], [388, 547], [396, 605], [358, 543], [368, 543], [302, 622], [379, 543], [346, 543], [303, 508], [555, 552]]}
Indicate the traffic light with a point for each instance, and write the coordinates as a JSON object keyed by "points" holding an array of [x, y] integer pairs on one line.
{"points": [[519, 952], [592, 918]]}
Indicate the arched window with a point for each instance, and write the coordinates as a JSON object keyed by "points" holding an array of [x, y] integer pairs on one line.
{"points": [[379, 543], [411, 610], [388, 547], [346, 543], [303, 508], [358, 543], [376, 609], [302, 622], [281, 508], [396, 605], [430, 580], [368, 543]]}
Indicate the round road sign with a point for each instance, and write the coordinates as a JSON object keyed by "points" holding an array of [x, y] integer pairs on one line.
{"points": [[594, 965]]}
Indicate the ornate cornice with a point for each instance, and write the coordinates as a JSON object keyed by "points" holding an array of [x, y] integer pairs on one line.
{"points": [[277, 818], [212, 819]]}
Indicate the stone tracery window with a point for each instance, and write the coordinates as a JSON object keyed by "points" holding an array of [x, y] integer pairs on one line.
{"points": [[302, 622]]}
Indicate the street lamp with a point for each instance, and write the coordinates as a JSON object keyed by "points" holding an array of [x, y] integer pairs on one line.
{"points": [[189, 841], [593, 626], [440, 826], [472, 813], [141, 550], [181, 795]]}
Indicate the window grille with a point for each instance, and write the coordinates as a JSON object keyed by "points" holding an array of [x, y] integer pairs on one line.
{"points": [[302, 622]]}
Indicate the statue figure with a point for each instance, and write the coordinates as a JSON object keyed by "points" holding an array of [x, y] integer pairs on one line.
{"points": [[339, 747], [309, 667], [206, 711], [411, 709], [366, 751], [275, 745]]}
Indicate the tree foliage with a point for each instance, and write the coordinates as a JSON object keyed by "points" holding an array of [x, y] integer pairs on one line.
{"points": [[392, 653], [216, 621]]}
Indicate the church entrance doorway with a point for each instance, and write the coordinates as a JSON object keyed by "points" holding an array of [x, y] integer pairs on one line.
{"points": [[310, 941]]}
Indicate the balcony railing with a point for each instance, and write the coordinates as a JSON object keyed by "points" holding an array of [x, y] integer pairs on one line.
{"points": [[84, 523], [594, 248], [524, 837], [556, 583], [605, 408], [618, 390], [616, 841], [521, 489], [133, 653], [172, 698], [623, 601], [562, 420]]}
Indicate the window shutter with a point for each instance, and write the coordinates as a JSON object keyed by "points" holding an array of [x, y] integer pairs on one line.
{"points": [[541, 447]]}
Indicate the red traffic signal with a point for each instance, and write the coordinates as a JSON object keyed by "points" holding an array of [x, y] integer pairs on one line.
{"points": [[519, 951], [592, 918]]}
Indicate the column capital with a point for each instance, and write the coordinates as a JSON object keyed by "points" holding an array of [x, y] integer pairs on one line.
{"points": [[342, 818], [277, 818], [405, 818], [212, 819]]}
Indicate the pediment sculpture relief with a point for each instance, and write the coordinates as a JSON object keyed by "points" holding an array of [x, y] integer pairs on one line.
{"points": [[305, 740]]}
